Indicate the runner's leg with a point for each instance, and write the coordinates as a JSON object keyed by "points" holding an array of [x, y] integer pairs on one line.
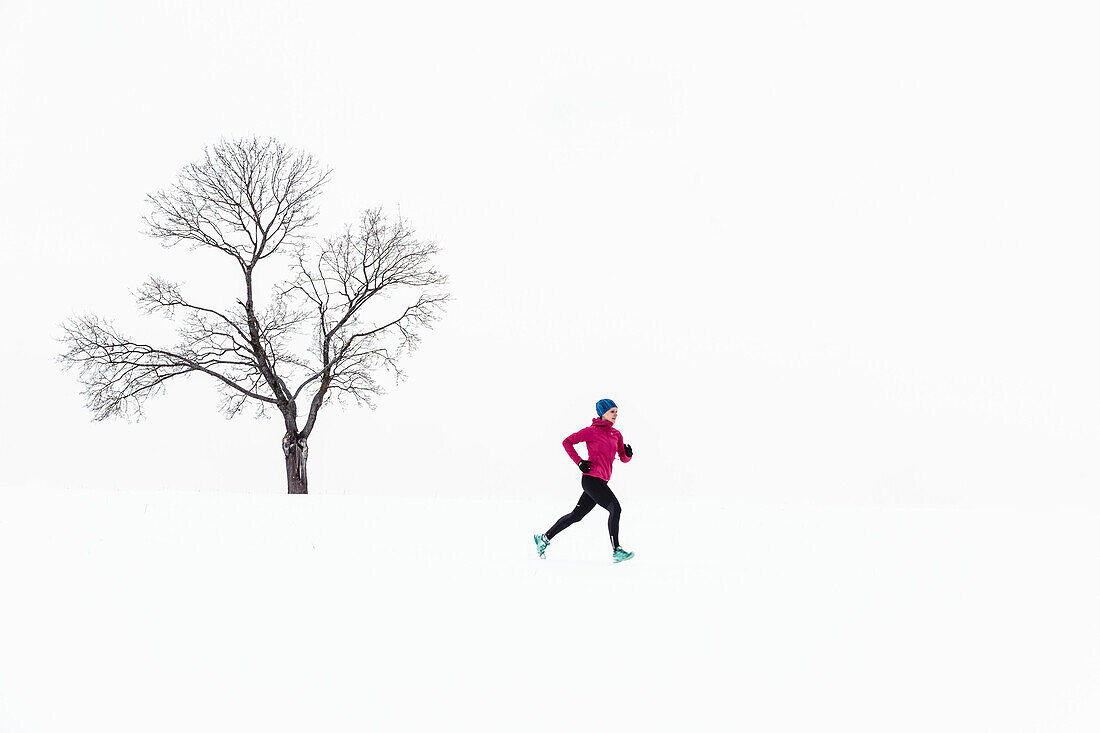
{"points": [[584, 505], [601, 493]]}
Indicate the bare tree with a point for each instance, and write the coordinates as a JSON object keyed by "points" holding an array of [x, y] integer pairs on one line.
{"points": [[250, 200]]}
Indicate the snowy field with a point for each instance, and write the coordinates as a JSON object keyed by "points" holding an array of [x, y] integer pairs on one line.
{"points": [[236, 612]]}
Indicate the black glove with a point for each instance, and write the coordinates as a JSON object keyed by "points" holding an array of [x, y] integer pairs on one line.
{"points": [[585, 466], [629, 452]]}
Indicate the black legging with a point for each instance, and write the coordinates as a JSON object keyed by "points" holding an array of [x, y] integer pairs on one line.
{"points": [[596, 491]]}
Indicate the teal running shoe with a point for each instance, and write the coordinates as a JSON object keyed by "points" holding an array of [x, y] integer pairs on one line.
{"points": [[621, 554], [541, 543]]}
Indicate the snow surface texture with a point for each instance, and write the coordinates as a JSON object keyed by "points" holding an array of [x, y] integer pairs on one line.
{"points": [[232, 612]]}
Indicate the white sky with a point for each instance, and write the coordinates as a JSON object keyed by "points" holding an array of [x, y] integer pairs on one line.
{"points": [[818, 253]]}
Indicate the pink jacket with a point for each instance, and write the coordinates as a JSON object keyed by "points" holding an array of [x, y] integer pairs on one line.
{"points": [[603, 443]]}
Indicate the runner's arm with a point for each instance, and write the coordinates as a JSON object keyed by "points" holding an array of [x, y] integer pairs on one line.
{"points": [[577, 437]]}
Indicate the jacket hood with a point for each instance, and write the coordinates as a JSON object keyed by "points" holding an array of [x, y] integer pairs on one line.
{"points": [[599, 422]]}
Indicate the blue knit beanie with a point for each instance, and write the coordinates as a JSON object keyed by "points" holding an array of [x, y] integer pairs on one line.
{"points": [[603, 406]]}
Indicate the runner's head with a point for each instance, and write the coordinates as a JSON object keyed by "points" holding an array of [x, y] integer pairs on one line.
{"points": [[608, 410]]}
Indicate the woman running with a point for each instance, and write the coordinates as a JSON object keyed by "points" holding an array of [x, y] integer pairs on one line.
{"points": [[604, 443]]}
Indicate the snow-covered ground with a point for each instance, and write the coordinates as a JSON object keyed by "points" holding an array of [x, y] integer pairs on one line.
{"points": [[237, 612]]}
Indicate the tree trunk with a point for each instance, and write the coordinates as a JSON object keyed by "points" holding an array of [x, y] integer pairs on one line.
{"points": [[295, 451]]}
